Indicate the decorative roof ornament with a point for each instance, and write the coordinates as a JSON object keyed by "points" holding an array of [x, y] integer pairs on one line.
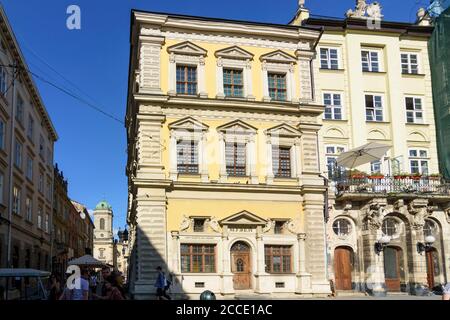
{"points": [[301, 3], [365, 11]]}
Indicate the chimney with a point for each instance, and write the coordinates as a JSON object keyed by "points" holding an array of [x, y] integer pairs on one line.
{"points": [[301, 15]]}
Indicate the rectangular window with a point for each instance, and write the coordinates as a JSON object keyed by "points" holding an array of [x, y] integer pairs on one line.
{"points": [[332, 153], [277, 86], [49, 157], [187, 160], [41, 147], [418, 161], [375, 166], [3, 80], [16, 200], [30, 128], [18, 154], [2, 186], [235, 158], [333, 106], [414, 110], [329, 58], [233, 83], [278, 259], [370, 61], [49, 189], [187, 80], [19, 109], [29, 209], [29, 168], [41, 182], [2, 134], [199, 225], [278, 228], [374, 108], [410, 63], [46, 223], [198, 258], [281, 161], [39, 218]]}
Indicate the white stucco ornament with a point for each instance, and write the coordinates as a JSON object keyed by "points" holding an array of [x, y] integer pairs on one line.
{"points": [[214, 225], [185, 224], [374, 10], [270, 223], [364, 10]]}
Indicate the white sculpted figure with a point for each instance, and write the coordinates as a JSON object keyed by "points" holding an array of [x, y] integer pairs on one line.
{"points": [[360, 9], [185, 224], [214, 225], [374, 10]]}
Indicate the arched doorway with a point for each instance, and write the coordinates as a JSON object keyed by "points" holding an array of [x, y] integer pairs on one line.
{"points": [[433, 270], [392, 268], [343, 266], [241, 266]]}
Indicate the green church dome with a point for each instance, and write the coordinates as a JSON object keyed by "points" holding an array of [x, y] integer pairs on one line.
{"points": [[103, 205]]}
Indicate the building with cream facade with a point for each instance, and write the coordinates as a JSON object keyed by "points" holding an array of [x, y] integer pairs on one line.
{"points": [[388, 225], [223, 165]]}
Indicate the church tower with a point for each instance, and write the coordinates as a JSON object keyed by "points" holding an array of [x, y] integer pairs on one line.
{"points": [[103, 233]]}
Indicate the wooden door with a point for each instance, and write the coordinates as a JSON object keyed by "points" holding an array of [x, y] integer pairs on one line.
{"points": [[432, 267], [343, 268], [241, 266], [392, 269]]}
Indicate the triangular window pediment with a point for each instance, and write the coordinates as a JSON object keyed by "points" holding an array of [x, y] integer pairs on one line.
{"points": [[244, 218], [189, 124], [284, 130], [237, 127], [187, 48], [234, 52], [278, 57]]}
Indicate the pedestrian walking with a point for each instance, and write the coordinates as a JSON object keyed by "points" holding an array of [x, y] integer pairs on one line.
{"points": [[162, 284], [54, 287], [112, 288], [81, 291], [101, 289]]}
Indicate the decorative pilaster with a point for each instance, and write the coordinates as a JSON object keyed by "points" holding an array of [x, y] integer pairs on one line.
{"points": [[248, 80], [223, 166], [227, 276], [202, 78], [305, 75], [303, 277], [219, 73], [203, 164], [269, 178], [173, 170], [150, 64], [265, 80], [251, 148], [172, 75]]}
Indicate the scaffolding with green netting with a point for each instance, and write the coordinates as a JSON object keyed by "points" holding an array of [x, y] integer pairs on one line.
{"points": [[439, 47]]}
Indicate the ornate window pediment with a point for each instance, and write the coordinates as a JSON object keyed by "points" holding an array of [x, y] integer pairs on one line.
{"points": [[187, 48], [283, 130], [189, 124], [234, 52], [237, 127], [278, 56], [243, 218]]}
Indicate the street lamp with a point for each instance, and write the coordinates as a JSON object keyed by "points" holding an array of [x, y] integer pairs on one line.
{"points": [[424, 246], [382, 243]]}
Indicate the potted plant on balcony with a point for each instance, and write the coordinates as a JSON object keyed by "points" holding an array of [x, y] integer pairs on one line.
{"points": [[415, 176], [376, 175], [401, 175], [434, 177], [356, 174]]}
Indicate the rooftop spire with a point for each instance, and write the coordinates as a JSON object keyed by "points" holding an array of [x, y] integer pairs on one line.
{"points": [[302, 14]]}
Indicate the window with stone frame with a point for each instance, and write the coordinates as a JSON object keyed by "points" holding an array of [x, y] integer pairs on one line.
{"points": [[277, 86], [186, 79], [3, 80], [281, 160], [233, 82], [187, 156], [198, 258], [418, 161], [17, 198], [199, 224], [333, 106], [278, 258], [235, 154], [370, 60]]}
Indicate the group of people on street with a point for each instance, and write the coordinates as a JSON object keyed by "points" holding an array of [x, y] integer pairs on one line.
{"points": [[110, 287]]}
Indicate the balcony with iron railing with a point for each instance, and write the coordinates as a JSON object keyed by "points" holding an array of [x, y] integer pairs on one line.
{"points": [[369, 186]]}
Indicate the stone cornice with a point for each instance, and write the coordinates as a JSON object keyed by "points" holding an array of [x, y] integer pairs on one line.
{"points": [[210, 25], [271, 107]]}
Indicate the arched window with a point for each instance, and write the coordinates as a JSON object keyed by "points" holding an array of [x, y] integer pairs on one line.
{"points": [[430, 228], [102, 224], [390, 227], [342, 227]]}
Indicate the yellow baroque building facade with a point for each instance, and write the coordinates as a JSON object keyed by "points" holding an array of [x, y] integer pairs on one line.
{"points": [[224, 186]]}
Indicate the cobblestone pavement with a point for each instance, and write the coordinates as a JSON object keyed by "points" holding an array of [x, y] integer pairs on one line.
{"points": [[293, 297]]}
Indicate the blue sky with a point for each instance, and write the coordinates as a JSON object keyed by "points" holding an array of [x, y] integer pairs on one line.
{"points": [[92, 148]]}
